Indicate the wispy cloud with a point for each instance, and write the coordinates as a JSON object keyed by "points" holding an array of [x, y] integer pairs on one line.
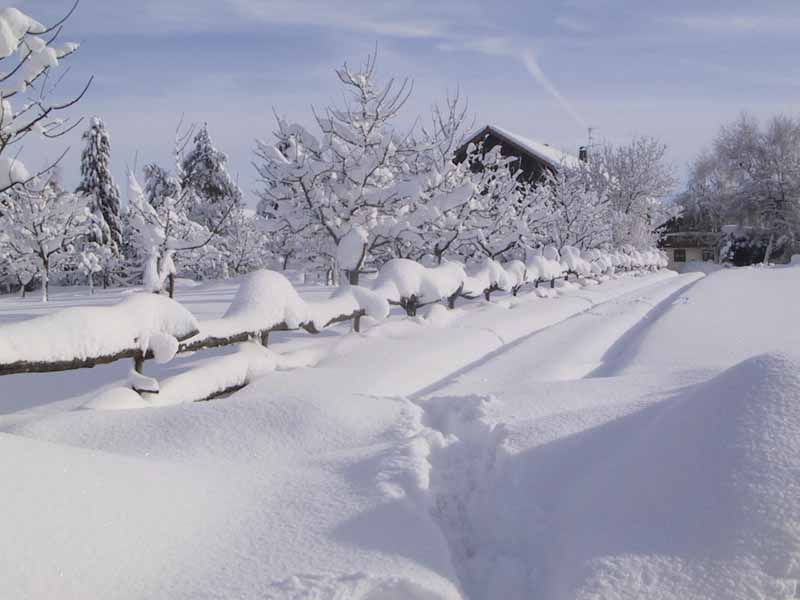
{"points": [[414, 21], [740, 23], [529, 59]]}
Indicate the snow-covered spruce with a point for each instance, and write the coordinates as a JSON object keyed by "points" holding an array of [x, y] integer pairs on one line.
{"points": [[102, 194]]}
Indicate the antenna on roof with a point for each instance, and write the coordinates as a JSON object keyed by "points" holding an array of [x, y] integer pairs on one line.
{"points": [[585, 151]]}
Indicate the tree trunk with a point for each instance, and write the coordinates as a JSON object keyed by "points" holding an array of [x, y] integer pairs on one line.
{"points": [[138, 362], [410, 304], [171, 284], [45, 281], [91, 284], [487, 293], [352, 277], [265, 338], [768, 251], [285, 261]]}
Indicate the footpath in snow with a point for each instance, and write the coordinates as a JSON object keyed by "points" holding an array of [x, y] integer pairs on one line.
{"points": [[528, 448]]}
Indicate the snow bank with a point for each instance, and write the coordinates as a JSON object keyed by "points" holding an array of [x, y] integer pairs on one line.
{"points": [[700, 266], [699, 501], [87, 333]]}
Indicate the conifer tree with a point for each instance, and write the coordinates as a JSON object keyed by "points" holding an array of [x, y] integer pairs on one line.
{"points": [[98, 187], [204, 176]]}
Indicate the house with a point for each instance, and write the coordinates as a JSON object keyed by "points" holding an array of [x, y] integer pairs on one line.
{"points": [[687, 246], [535, 158]]}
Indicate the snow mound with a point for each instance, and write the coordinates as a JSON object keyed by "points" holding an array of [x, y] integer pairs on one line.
{"points": [[699, 502], [400, 279], [490, 275], [86, 333], [545, 265], [572, 261], [700, 266], [118, 398]]}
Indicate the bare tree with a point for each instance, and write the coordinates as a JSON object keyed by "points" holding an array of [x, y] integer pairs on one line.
{"points": [[28, 55], [634, 179]]}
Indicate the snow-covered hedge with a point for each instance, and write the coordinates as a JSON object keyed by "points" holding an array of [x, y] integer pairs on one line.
{"points": [[85, 336]]}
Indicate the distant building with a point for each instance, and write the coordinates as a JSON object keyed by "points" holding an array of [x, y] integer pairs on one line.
{"points": [[535, 158], [687, 246], [738, 245]]}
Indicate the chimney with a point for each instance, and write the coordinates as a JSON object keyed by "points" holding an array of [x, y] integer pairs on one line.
{"points": [[583, 154]]}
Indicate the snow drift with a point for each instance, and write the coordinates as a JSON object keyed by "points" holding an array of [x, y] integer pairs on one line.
{"points": [[698, 502]]}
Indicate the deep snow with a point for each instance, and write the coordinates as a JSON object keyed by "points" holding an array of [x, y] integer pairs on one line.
{"points": [[624, 440]]}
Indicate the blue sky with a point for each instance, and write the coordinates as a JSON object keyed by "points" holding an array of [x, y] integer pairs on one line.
{"points": [[675, 70]]}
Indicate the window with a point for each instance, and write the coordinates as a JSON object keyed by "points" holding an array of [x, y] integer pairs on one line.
{"points": [[708, 254], [679, 255]]}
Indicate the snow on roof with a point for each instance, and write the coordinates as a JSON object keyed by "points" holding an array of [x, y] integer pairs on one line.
{"points": [[552, 156]]}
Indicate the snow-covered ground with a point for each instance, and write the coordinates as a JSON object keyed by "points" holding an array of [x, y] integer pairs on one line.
{"points": [[634, 439]]}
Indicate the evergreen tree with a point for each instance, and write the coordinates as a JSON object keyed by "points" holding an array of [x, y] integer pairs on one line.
{"points": [[204, 176], [98, 187]]}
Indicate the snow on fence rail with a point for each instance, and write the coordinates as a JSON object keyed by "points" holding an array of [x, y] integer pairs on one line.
{"points": [[76, 338], [145, 326]]}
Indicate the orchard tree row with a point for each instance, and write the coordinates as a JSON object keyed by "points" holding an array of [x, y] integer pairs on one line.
{"points": [[346, 192]]}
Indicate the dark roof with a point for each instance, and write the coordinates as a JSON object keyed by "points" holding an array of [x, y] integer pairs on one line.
{"points": [[518, 145]]}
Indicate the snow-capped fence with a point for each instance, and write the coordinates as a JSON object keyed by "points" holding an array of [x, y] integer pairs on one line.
{"points": [[151, 326], [142, 325]]}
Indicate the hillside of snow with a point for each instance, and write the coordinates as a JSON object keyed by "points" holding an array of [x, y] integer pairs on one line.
{"points": [[634, 439]]}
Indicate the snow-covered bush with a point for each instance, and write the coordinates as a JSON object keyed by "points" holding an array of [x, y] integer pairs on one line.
{"points": [[572, 262], [488, 277], [545, 265], [412, 285]]}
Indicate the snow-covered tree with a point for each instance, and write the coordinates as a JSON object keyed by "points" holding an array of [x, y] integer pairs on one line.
{"points": [[750, 177], [159, 184], [635, 180], [102, 195], [579, 216], [164, 233], [27, 55], [42, 226], [764, 166], [203, 176], [501, 214], [246, 244], [356, 173]]}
